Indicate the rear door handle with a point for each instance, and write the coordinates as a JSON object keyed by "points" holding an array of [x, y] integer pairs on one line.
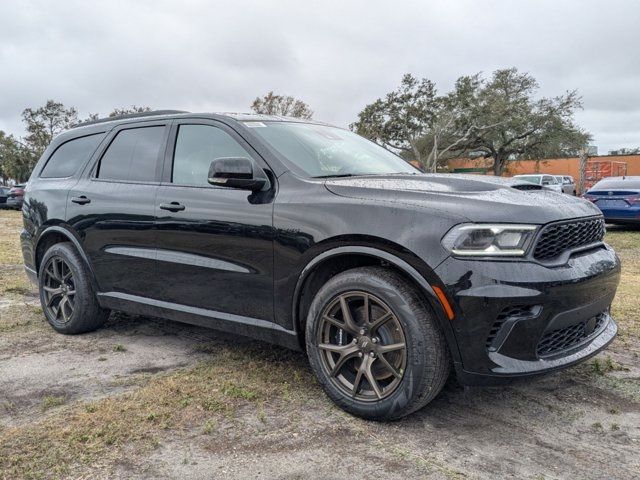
{"points": [[172, 207], [81, 200]]}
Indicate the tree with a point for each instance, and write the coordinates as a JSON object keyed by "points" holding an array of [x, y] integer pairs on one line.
{"points": [[131, 109], [15, 159], [625, 151], [584, 161], [116, 112], [519, 126], [419, 124], [92, 117], [287, 106], [402, 118], [44, 123]]}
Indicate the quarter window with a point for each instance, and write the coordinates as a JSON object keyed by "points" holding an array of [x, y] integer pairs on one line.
{"points": [[196, 147], [132, 155], [68, 157]]}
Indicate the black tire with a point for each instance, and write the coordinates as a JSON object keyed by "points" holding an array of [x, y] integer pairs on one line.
{"points": [[427, 358], [85, 314]]}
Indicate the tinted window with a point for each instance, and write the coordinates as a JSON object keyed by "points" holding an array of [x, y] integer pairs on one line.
{"points": [[618, 183], [68, 157], [132, 155], [196, 147], [531, 179]]}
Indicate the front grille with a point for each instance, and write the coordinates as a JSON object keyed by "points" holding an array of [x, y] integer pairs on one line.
{"points": [[560, 237], [561, 339]]}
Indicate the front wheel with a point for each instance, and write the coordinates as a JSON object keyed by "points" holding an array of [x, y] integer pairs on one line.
{"points": [[374, 346]]}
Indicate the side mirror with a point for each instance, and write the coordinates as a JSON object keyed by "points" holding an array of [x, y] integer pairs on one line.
{"points": [[546, 182], [237, 172]]}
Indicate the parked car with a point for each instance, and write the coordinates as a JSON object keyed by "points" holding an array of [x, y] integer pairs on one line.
{"points": [[618, 198], [15, 197], [546, 181], [311, 237], [4, 193], [568, 185]]}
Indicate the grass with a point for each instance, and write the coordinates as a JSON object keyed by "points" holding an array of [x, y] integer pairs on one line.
{"points": [[602, 367], [626, 306], [199, 397], [52, 401], [18, 317], [10, 226]]}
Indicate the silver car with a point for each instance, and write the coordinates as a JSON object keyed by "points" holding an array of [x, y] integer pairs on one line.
{"points": [[568, 185], [547, 181]]}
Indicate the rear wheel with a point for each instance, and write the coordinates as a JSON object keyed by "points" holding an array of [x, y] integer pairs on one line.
{"points": [[66, 293], [375, 347]]}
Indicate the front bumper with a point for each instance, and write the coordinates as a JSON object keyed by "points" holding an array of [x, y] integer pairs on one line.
{"points": [[521, 318]]}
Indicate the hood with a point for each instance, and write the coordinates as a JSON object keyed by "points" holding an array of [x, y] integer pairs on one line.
{"points": [[476, 198]]}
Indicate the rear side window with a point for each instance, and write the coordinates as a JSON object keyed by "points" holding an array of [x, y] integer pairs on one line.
{"points": [[196, 147], [69, 156], [132, 155]]}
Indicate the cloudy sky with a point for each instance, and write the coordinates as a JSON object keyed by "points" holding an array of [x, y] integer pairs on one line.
{"points": [[336, 55]]}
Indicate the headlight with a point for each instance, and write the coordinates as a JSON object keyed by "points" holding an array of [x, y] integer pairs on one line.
{"points": [[489, 240]]}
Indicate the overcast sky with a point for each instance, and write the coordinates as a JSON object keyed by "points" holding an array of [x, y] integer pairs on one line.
{"points": [[335, 55]]}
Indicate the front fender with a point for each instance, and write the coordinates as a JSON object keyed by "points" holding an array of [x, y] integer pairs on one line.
{"points": [[392, 260]]}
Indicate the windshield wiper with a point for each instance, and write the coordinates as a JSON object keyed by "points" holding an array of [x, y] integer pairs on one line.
{"points": [[337, 175]]}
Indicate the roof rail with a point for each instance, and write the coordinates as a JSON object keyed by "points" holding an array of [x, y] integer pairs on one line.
{"points": [[152, 113]]}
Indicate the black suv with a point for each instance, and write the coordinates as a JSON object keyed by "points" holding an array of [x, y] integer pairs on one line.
{"points": [[311, 237]]}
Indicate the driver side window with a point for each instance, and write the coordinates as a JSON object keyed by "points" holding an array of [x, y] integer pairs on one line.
{"points": [[196, 147]]}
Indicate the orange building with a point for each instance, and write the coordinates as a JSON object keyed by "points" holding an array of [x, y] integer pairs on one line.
{"points": [[597, 168]]}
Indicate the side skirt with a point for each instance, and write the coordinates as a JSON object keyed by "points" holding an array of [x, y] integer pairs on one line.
{"points": [[226, 322]]}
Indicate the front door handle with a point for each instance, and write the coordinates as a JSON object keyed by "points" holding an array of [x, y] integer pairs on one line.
{"points": [[172, 207], [81, 200]]}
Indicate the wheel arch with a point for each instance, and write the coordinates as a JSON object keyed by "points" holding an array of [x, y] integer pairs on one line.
{"points": [[358, 255], [57, 234]]}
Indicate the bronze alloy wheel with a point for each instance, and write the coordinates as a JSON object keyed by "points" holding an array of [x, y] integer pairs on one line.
{"points": [[362, 346], [59, 289]]}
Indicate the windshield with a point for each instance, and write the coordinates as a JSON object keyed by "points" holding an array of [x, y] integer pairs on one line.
{"points": [[323, 151], [535, 179]]}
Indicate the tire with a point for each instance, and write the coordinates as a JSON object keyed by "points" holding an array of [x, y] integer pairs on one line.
{"points": [[80, 312], [414, 376]]}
